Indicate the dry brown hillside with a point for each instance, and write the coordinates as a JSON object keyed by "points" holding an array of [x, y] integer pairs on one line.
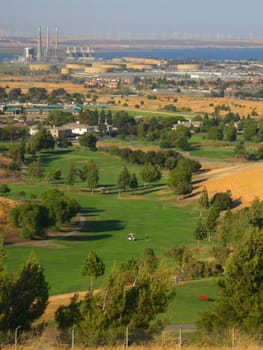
{"points": [[243, 179]]}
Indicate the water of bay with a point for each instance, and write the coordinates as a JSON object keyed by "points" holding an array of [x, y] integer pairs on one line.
{"points": [[176, 54]]}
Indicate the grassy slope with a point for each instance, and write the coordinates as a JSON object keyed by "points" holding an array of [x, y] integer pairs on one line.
{"points": [[109, 219]]}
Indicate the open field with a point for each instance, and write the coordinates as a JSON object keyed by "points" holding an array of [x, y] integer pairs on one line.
{"points": [[108, 218], [185, 104], [244, 181]]}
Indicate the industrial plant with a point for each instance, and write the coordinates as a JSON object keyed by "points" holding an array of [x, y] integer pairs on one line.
{"points": [[50, 51]]}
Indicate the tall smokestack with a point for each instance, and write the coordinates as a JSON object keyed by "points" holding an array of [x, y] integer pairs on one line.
{"points": [[47, 39], [56, 42], [39, 45]]}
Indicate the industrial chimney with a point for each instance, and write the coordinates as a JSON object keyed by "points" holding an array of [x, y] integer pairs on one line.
{"points": [[39, 45], [56, 43]]}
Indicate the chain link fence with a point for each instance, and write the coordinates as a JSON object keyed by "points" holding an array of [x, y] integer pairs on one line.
{"points": [[171, 338]]}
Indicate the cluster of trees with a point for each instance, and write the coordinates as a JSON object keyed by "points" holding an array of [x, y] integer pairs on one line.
{"points": [[23, 295], [35, 217], [239, 250], [187, 267], [95, 117], [131, 296], [165, 159], [150, 173], [242, 151], [207, 224], [227, 128], [39, 94], [180, 178]]}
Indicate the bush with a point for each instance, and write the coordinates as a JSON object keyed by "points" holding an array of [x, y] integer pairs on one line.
{"points": [[4, 188], [222, 200]]}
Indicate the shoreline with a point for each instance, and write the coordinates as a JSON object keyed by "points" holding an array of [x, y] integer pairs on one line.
{"points": [[15, 45]]}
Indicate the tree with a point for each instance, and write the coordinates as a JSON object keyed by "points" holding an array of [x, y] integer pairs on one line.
{"points": [[92, 175], [3, 94], [61, 208], [149, 261], [71, 175], [42, 140], [240, 297], [32, 218], [200, 232], [240, 150], [17, 153], [68, 316], [54, 175], [28, 295], [251, 133], [204, 199], [34, 169], [83, 173], [230, 132], [151, 173], [63, 142], [180, 180], [189, 164], [4, 189], [133, 182], [124, 179], [212, 220], [88, 140], [37, 94], [93, 267], [58, 118], [222, 200], [181, 256], [215, 133], [104, 315], [14, 94]]}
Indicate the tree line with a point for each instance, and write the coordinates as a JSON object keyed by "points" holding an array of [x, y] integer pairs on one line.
{"points": [[132, 295], [238, 249]]}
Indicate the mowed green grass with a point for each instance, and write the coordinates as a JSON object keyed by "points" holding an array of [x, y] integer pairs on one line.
{"points": [[107, 220], [202, 148], [187, 304]]}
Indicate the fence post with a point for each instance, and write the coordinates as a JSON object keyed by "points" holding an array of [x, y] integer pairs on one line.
{"points": [[233, 339], [73, 338], [180, 337], [127, 339], [16, 330]]}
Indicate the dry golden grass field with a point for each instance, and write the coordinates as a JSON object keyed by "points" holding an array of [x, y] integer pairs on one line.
{"points": [[196, 104], [243, 179]]}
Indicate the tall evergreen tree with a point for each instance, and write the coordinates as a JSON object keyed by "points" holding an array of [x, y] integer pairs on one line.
{"points": [[240, 296], [133, 182], [151, 173], [124, 179], [92, 175], [27, 296], [93, 267], [204, 199]]}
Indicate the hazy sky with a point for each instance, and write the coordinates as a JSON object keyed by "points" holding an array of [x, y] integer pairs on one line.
{"points": [[134, 18]]}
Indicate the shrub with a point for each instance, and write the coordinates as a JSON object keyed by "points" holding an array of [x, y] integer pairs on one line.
{"points": [[4, 188], [222, 200]]}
